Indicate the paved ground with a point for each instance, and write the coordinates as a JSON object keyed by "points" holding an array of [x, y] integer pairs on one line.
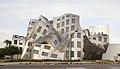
{"points": [[58, 66]]}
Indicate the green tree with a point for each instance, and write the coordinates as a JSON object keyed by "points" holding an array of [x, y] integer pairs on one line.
{"points": [[2, 52], [11, 50], [8, 42]]}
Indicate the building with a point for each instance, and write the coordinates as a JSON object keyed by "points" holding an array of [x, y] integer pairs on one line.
{"points": [[112, 52], [64, 39]]}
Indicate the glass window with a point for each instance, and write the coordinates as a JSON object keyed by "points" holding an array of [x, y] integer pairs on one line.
{"points": [[105, 39], [29, 43], [58, 19], [63, 23], [58, 25], [15, 41], [44, 53], [39, 28], [99, 38], [72, 27], [78, 53], [72, 35], [29, 50], [72, 53], [54, 55], [78, 44], [38, 45], [67, 53], [34, 36], [94, 38], [20, 42], [67, 22], [72, 44], [55, 42], [67, 29], [35, 51], [44, 32], [78, 35], [62, 31], [47, 47], [32, 23], [68, 16], [73, 20], [63, 17]]}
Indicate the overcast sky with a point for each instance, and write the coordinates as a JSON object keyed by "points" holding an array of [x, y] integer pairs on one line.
{"points": [[15, 14]]}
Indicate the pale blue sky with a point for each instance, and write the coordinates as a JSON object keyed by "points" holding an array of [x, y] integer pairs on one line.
{"points": [[15, 14]]}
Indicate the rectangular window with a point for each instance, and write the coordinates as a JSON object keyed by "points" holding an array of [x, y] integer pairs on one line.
{"points": [[78, 53], [62, 31], [38, 45], [78, 35], [44, 53], [34, 36], [39, 28], [63, 23], [47, 47], [29, 43], [20, 42], [72, 53], [67, 53], [15, 41], [72, 44], [44, 32], [54, 55], [94, 38], [55, 42], [67, 29], [58, 19], [32, 23], [72, 35], [29, 50], [72, 27], [35, 51], [68, 16], [63, 17], [78, 44], [67, 22], [99, 38], [58, 25], [105, 39], [73, 20]]}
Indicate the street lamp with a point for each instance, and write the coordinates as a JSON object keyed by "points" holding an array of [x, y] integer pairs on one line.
{"points": [[70, 46]]}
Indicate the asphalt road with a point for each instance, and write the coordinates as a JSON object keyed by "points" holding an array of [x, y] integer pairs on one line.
{"points": [[59, 66]]}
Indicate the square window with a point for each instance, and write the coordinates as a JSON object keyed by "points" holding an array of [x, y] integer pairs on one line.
{"points": [[72, 27], [67, 22], [73, 20], [39, 28], [94, 38], [67, 29], [44, 32], [62, 31], [34, 36], [58, 25], [58, 19]]}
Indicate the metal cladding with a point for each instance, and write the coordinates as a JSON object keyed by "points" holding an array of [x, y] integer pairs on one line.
{"points": [[64, 39]]}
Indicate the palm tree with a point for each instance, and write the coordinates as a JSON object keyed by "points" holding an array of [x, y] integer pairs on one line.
{"points": [[7, 42]]}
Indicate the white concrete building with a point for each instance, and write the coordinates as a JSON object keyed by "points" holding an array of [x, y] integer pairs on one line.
{"points": [[63, 39]]}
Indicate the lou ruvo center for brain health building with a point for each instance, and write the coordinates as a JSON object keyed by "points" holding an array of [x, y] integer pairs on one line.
{"points": [[63, 38]]}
